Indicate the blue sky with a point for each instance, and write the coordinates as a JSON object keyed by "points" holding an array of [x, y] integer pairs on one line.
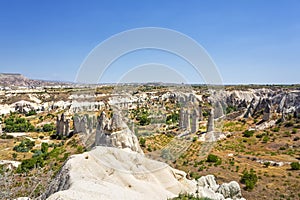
{"points": [[250, 41]]}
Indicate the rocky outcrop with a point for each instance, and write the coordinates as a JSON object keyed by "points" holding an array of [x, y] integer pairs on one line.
{"points": [[210, 122], [62, 126], [190, 113], [207, 187], [111, 173], [115, 133]]}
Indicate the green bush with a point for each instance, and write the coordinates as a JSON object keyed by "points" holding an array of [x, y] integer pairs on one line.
{"points": [[189, 197], [267, 164], [30, 113], [17, 124], [29, 164], [25, 146], [266, 139], [44, 147], [144, 120], [142, 142], [212, 158], [295, 165], [248, 133], [173, 118], [5, 136], [48, 127], [249, 179]]}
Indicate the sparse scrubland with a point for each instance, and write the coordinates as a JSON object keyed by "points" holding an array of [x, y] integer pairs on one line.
{"points": [[264, 161]]}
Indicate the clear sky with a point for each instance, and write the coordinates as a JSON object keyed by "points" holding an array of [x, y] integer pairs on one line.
{"points": [[251, 41]]}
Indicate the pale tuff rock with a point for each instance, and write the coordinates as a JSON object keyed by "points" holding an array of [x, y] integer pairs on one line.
{"points": [[210, 122], [62, 126], [230, 190], [111, 173], [250, 109], [194, 122], [190, 113], [115, 133], [267, 112], [207, 187], [84, 124], [218, 110]]}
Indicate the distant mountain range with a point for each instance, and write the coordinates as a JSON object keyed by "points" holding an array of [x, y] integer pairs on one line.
{"points": [[15, 79]]}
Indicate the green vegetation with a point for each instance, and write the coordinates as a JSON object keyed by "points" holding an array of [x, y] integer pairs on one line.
{"points": [[248, 133], [295, 166], [17, 124], [48, 127], [142, 142], [173, 118], [44, 147], [31, 163], [42, 157], [266, 139], [5, 136], [142, 116], [249, 179], [230, 109], [25, 146], [211, 158], [189, 197], [30, 113]]}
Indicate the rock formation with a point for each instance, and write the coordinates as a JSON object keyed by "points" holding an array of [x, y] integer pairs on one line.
{"points": [[62, 126], [267, 112], [210, 122], [207, 187], [115, 133], [111, 173], [194, 123], [84, 124]]}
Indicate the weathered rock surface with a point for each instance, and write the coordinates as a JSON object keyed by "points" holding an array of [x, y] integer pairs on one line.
{"points": [[111, 173], [208, 187], [115, 133]]}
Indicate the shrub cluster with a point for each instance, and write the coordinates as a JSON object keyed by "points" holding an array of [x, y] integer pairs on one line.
{"points": [[17, 124], [25, 146], [295, 165], [249, 179], [248, 133]]}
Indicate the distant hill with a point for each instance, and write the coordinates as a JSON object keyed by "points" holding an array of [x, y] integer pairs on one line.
{"points": [[15, 79]]}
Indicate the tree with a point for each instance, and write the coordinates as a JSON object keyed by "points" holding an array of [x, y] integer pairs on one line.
{"points": [[143, 142], [248, 133], [44, 147], [249, 179], [14, 155], [212, 158], [295, 165], [48, 127]]}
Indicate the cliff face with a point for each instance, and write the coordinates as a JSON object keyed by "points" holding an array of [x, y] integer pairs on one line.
{"points": [[111, 173], [261, 101]]}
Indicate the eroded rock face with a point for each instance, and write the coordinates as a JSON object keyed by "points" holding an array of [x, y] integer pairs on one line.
{"points": [[256, 101], [208, 187], [62, 126], [115, 133], [111, 173]]}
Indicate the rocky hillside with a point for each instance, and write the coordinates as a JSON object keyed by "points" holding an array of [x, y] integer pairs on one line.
{"points": [[12, 79]]}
